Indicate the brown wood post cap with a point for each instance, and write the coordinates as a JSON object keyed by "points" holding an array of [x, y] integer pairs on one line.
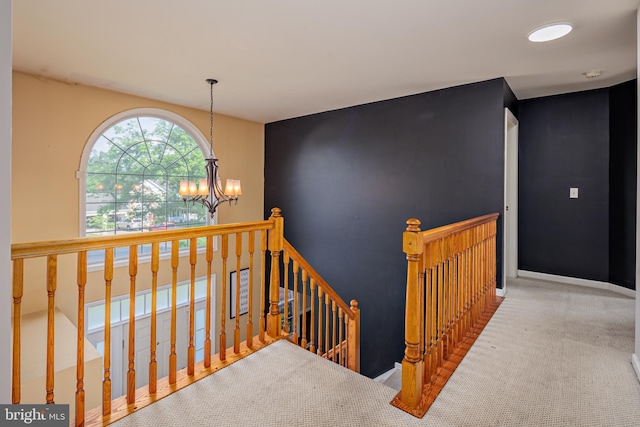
{"points": [[413, 224]]}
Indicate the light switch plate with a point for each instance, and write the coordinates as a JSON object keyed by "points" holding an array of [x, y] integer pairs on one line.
{"points": [[573, 193]]}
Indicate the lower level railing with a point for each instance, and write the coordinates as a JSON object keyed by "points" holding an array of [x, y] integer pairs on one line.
{"points": [[233, 258], [451, 288]]}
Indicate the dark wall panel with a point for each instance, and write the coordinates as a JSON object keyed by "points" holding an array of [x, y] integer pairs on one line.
{"points": [[563, 143], [510, 100], [347, 181], [623, 185]]}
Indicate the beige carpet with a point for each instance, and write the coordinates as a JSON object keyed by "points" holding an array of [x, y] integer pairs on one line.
{"points": [[553, 355]]}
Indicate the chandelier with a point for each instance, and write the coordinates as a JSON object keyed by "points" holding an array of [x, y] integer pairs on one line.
{"points": [[208, 191]]}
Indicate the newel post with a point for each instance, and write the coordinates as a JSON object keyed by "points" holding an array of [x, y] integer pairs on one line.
{"points": [[276, 242], [412, 363], [353, 340]]}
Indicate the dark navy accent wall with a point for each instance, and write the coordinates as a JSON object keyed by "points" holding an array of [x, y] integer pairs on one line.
{"points": [[347, 181], [586, 140], [622, 182], [510, 100], [563, 143]]}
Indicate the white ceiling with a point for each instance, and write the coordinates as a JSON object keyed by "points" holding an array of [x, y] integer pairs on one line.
{"points": [[279, 59]]}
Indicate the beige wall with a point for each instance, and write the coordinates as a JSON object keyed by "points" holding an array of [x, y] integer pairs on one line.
{"points": [[51, 122]]}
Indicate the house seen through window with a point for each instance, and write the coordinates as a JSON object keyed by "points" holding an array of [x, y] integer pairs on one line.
{"points": [[132, 177]]}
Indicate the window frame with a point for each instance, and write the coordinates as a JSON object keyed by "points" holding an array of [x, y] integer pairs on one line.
{"points": [[81, 174]]}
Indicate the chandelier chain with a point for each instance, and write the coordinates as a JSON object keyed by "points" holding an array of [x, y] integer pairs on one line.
{"points": [[211, 123]]}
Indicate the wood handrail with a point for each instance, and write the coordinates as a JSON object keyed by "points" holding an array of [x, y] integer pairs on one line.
{"points": [[305, 266], [67, 246], [457, 227]]}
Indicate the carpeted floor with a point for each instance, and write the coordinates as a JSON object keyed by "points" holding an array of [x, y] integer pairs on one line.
{"points": [[552, 355]]}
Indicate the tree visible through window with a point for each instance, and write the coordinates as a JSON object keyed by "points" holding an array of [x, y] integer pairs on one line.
{"points": [[133, 176]]}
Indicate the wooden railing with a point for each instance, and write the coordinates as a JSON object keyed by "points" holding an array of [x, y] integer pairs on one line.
{"points": [[252, 243], [451, 294], [332, 328]]}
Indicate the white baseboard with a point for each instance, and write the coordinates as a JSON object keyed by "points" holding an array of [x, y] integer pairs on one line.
{"points": [[636, 364], [501, 292], [580, 282], [382, 377]]}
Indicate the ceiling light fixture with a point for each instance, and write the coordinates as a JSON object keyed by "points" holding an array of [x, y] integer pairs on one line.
{"points": [[550, 32], [208, 191]]}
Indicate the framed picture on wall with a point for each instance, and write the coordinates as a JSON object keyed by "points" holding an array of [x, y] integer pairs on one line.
{"points": [[244, 292]]}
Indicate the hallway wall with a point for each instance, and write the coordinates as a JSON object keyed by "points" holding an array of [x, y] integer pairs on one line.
{"points": [[585, 140], [347, 181]]}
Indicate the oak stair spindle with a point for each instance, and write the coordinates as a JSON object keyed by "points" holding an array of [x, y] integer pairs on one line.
{"points": [[106, 382], [236, 329]]}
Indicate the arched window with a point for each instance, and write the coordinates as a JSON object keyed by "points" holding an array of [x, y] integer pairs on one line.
{"points": [[131, 170]]}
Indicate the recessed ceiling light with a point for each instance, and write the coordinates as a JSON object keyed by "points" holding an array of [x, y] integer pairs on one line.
{"points": [[550, 32]]}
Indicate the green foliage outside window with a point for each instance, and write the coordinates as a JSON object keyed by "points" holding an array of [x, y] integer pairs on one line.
{"points": [[133, 177]]}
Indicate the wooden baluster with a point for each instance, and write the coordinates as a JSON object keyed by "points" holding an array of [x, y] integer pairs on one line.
{"points": [[494, 264], [340, 336], [191, 349], [319, 321], [456, 287], [236, 329], [224, 253], [18, 286], [412, 363], [303, 342], [421, 298], [82, 282], [448, 295], [353, 352], [296, 309], [276, 241], [333, 336], [263, 249], [153, 364], [441, 301], [106, 381], [479, 271], [286, 261], [434, 311], [346, 339], [459, 287], [326, 324], [446, 332], [467, 279], [474, 278], [427, 315], [173, 356], [483, 270], [251, 243], [430, 299], [131, 372], [207, 326], [52, 273], [312, 287]]}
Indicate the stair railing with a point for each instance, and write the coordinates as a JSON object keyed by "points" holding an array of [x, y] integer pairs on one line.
{"points": [[332, 328], [451, 288], [209, 248]]}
